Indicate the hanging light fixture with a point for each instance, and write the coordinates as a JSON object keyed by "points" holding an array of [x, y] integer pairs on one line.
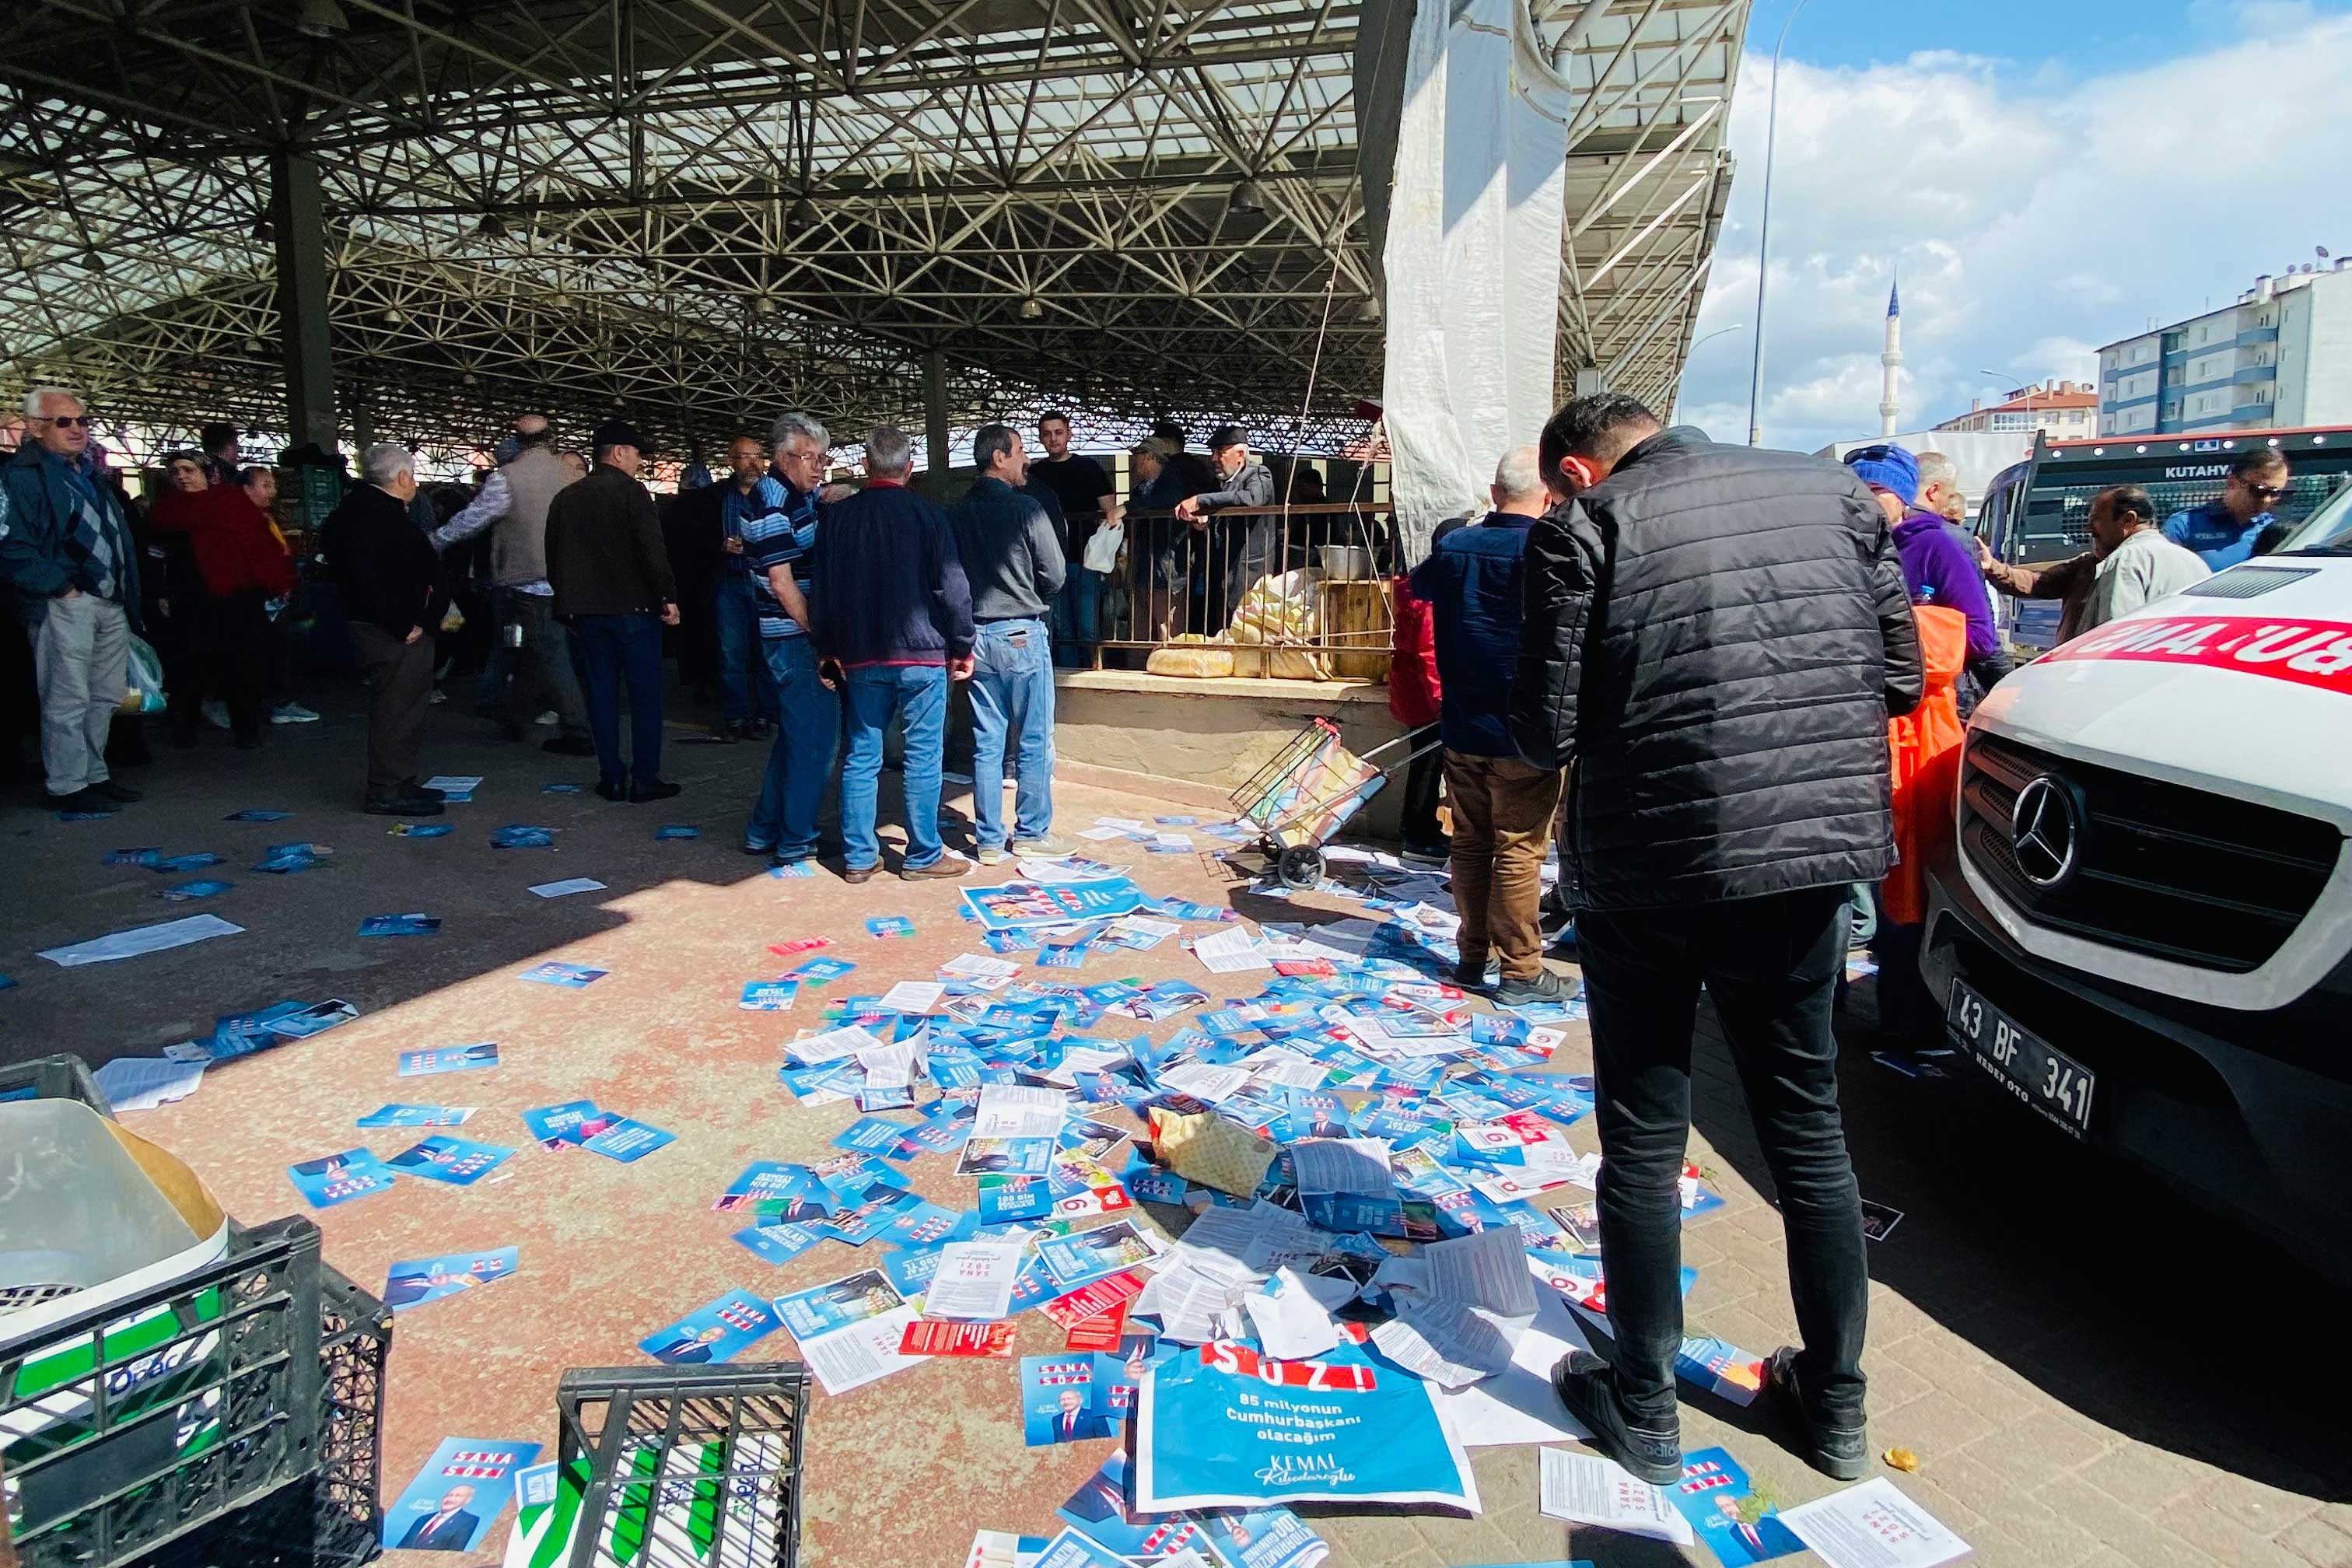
{"points": [[1030, 309], [263, 231], [1246, 200], [492, 226], [804, 212]]}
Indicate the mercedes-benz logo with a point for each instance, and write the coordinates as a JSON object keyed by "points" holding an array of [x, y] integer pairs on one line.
{"points": [[2044, 831]]}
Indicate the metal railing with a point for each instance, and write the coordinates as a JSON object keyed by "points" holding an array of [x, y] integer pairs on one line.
{"points": [[1295, 591]]}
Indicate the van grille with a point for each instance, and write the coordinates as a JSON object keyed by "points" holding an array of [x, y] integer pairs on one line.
{"points": [[2176, 873]]}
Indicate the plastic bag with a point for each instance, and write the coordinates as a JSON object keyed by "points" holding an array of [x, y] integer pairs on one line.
{"points": [[142, 680], [1103, 546]]}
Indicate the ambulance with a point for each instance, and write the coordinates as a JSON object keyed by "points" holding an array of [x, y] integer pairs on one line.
{"points": [[2142, 934]]}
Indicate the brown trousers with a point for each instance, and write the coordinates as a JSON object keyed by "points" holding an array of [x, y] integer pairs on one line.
{"points": [[400, 684], [1502, 824]]}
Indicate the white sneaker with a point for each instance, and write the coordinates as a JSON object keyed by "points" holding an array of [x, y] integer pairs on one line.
{"points": [[438, 698], [549, 717], [218, 713], [991, 855], [292, 713]]}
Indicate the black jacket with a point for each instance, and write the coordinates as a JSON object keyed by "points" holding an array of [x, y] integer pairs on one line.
{"points": [[1012, 558], [605, 554], [889, 585], [1714, 640], [381, 563]]}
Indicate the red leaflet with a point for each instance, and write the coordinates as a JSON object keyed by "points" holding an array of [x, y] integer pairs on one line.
{"points": [[925, 1336], [1100, 1333], [1094, 1298], [799, 944]]}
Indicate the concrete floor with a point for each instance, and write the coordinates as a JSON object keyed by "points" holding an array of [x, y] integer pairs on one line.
{"points": [[2064, 1344]]}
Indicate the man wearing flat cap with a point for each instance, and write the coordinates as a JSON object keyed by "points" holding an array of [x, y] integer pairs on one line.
{"points": [[613, 589], [1246, 551]]}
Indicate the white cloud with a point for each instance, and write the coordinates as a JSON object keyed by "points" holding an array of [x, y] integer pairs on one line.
{"points": [[2032, 216]]}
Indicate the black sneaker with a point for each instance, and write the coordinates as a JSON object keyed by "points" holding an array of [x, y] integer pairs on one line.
{"points": [[1546, 986], [83, 799], [1587, 1386], [402, 804], [116, 790], [653, 789], [1838, 1446], [428, 791], [612, 789]]}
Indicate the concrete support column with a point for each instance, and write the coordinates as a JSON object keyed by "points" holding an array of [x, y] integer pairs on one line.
{"points": [[935, 424], [297, 216]]}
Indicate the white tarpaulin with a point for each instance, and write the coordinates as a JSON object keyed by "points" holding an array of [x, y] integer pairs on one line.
{"points": [[1472, 257]]}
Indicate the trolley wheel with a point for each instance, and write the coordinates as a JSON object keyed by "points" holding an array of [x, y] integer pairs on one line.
{"points": [[1300, 866]]}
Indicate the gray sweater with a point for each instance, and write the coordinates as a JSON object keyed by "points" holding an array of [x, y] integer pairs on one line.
{"points": [[1011, 554]]}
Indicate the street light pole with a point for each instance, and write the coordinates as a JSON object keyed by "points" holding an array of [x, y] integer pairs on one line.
{"points": [[1764, 239], [2000, 380]]}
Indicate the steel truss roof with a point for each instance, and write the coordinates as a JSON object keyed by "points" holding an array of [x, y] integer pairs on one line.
{"points": [[705, 211]]}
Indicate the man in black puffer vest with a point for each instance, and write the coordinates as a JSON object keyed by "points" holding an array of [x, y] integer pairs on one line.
{"points": [[1714, 640]]}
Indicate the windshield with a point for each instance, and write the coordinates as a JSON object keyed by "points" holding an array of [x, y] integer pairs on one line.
{"points": [[2327, 532]]}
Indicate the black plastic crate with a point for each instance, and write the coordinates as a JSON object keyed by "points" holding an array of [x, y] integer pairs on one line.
{"points": [[685, 1468], [52, 1077], [138, 1423]]}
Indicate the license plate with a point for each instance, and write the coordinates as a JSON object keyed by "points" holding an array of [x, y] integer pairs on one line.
{"points": [[2053, 1084]]}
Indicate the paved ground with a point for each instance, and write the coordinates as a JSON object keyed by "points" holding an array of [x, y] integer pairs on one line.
{"points": [[2068, 1348]]}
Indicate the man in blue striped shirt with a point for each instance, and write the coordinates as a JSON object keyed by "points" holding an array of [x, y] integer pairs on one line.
{"points": [[779, 530]]}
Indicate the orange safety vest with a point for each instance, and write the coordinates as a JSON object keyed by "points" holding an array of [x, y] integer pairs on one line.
{"points": [[1924, 749]]}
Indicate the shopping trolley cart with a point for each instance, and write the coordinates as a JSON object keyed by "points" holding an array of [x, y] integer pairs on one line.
{"points": [[1302, 798]]}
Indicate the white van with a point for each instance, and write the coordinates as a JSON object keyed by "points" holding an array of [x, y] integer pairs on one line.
{"points": [[2143, 932]]}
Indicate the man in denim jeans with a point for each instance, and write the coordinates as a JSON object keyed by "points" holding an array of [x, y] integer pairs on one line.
{"points": [[778, 533], [1013, 563], [891, 614]]}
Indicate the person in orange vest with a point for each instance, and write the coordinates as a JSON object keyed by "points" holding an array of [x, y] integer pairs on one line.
{"points": [[1924, 749]]}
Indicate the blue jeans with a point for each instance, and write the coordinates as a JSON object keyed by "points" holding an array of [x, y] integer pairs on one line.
{"points": [[784, 819], [735, 612], [1077, 616], [917, 693], [623, 649], [1012, 688]]}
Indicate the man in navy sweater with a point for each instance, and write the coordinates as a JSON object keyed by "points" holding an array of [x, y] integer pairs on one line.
{"points": [[892, 615]]}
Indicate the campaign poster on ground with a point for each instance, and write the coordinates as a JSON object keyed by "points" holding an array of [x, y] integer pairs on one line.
{"points": [[717, 1333], [1737, 1526], [454, 1499], [1065, 1399], [1018, 904], [1222, 1426], [411, 1282]]}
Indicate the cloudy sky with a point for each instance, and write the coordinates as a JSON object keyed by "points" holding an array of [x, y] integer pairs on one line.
{"points": [[2047, 174]]}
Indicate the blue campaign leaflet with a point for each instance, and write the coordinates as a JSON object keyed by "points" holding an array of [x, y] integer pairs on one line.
{"points": [[1010, 939], [1005, 1157], [456, 1497], [522, 836], [1147, 1183], [571, 976], [889, 926], [1065, 1399], [417, 1116], [1072, 955], [1721, 1368], [1314, 1114], [455, 1161], [837, 1303], [1017, 904], [719, 1332], [793, 868], [339, 1178], [777, 1242], [250, 815], [400, 925], [1738, 1527], [769, 996], [1073, 1260], [921, 1225], [871, 1135], [819, 971], [1098, 1510], [200, 889], [448, 1059], [627, 1140], [420, 830], [178, 863], [676, 830], [910, 1269], [285, 862], [566, 1126], [1072, 1550], [765, 1186], [416, 1280], [1004, 1199], [145, 856], [1348, 1426]]}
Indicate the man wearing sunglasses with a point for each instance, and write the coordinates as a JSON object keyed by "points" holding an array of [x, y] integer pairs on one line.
{"points": [[65, 550], [2222, 531]]}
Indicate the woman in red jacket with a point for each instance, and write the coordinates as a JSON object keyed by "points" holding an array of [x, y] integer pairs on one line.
{"points": [[243, 566], [1414, 694]]}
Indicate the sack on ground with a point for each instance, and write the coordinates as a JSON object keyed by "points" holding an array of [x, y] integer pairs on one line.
{"points": [[1192, 657]]}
